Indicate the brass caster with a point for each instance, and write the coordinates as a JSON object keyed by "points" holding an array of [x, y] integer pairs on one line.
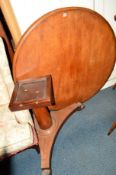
{"points": [[46, 172]]}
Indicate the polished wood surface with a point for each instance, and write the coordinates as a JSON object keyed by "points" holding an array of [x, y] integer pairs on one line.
{"points": [[47, 137], [43, 117], [76, 46], [11, 21]]}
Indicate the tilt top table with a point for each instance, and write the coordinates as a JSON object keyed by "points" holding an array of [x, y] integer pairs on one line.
{"points": [[73, 49]]}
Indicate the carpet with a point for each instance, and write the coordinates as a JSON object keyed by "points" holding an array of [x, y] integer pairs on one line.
{"points": [[82, 146]]}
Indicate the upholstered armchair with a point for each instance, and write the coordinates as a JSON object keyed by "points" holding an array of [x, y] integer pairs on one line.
{"points": [[16, 128]]}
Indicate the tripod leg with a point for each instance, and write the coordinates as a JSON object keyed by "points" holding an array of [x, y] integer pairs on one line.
{"points": [[47, 137], [112, 128]]}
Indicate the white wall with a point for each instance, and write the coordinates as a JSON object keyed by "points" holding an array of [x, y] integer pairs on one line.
{"points": [[107, 8], [27, 11]]}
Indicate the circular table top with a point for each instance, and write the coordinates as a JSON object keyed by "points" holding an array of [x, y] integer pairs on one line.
{"points": [[76, 46]]}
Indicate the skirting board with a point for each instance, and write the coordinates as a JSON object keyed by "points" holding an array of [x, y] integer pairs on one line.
{"points": [[109, 83]]}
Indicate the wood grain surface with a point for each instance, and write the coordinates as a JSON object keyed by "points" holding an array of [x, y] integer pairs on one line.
{"points": [[6, 8], [76, 46]]}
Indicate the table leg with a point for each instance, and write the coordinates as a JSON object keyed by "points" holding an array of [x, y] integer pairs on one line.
{"points": [[47, 137]]}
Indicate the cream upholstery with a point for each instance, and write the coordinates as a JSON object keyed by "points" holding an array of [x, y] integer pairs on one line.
{"points": [[15, 127]]}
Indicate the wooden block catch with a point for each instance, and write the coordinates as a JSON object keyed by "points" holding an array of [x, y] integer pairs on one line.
{"points": [[32, 93]]}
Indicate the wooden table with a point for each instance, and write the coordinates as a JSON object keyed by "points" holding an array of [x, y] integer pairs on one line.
{"points": [[76, 46]]}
